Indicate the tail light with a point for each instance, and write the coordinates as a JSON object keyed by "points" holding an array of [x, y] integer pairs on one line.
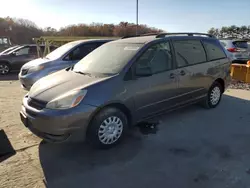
{"points": [[232, 49]]}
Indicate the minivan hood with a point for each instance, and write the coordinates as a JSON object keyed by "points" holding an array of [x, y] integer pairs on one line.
{"points": [[58, 83], [36, 62]]}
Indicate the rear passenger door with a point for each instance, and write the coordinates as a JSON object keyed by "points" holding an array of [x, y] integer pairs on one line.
{"points": [[191, 69]]}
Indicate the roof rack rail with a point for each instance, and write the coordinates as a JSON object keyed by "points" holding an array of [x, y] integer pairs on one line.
{"points": [[161, 35], [141, 35]]}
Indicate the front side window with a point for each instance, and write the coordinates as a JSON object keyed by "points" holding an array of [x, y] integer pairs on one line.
{"points": [[23, 51], [155, 59], [189, 52], [214, 50]]}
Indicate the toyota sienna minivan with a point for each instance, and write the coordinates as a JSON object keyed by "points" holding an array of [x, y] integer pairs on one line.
{"points": [[124, 82]]}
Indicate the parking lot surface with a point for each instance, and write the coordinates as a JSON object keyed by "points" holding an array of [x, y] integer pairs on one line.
{"points": [[192, 147]]}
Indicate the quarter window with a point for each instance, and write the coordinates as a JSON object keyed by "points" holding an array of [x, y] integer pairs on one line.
{"points": [[33, 50], [155, 59], [214, 50], [189, 52]]}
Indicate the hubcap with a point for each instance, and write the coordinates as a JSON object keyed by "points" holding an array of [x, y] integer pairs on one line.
{"points": [[215, 95], [4, 69], [110, 130]]}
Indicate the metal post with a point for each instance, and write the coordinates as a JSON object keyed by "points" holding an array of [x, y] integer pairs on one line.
{"points": [[136, 17]]}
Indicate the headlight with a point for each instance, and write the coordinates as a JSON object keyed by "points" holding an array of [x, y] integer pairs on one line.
{"points": [[67, 100], [35, 68]]}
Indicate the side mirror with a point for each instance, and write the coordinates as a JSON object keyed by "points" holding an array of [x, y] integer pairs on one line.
{"points": [[14, 53], [143, 71]]}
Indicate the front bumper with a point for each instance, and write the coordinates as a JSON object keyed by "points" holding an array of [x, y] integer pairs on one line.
{"points": [[56, 125], [27, 80]]}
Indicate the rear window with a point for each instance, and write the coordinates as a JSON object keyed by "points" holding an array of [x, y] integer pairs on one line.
{"points": [[240, 44], [214, 50]]}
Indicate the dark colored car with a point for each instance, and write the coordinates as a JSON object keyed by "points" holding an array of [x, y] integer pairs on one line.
{"points": [[124, 82], [4, 43], [64, 56], [16, 58]]}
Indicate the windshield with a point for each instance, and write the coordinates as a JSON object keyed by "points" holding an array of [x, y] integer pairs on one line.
{"points": [[57, 53], [108, 59]]}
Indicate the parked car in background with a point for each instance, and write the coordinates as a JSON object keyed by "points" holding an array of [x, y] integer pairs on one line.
{"points": [[124, 82], [4, 43], [16, 58], [64, 56], [9, 49], [238, 49]]}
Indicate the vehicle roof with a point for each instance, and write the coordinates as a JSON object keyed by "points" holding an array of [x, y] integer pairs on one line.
{"points": [[147, 39], [241, 40], [90, 40]]}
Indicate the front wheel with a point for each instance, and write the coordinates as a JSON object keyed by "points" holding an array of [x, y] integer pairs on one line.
{"points": [[213, 96], [107, 128], [4, 68]]}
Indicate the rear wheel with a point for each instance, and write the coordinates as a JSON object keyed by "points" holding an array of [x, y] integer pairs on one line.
{"points": [[107, 128], [213, 96], [4, 68]]}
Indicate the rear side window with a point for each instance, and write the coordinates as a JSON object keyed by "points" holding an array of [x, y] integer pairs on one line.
{"points": [[240, 44], [189, 52], [33, 50], [214, 50]]}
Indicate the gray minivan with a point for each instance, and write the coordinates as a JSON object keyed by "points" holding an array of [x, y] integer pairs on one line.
{"points": [[124, 82], [64, 56]]}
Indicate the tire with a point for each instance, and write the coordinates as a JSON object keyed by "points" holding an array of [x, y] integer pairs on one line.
{"points": [[216, 91], [107, 128], [4, 68]]}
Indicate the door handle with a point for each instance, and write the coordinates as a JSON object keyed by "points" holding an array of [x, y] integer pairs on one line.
{"points": [[182, 72], [172, 75]]}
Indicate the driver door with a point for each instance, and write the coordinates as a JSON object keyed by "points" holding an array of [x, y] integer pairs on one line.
{"points": [[155, 84]]}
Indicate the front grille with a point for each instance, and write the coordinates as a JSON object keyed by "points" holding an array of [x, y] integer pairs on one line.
{"points": [[24, 72], [37, 104]]}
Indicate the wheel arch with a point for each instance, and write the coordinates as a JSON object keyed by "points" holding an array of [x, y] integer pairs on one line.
{"points": [[221, 82], [117, 105], [6, 62]]}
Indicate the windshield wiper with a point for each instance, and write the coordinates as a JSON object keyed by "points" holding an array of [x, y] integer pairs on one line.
{"points": [[83, 73]]}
